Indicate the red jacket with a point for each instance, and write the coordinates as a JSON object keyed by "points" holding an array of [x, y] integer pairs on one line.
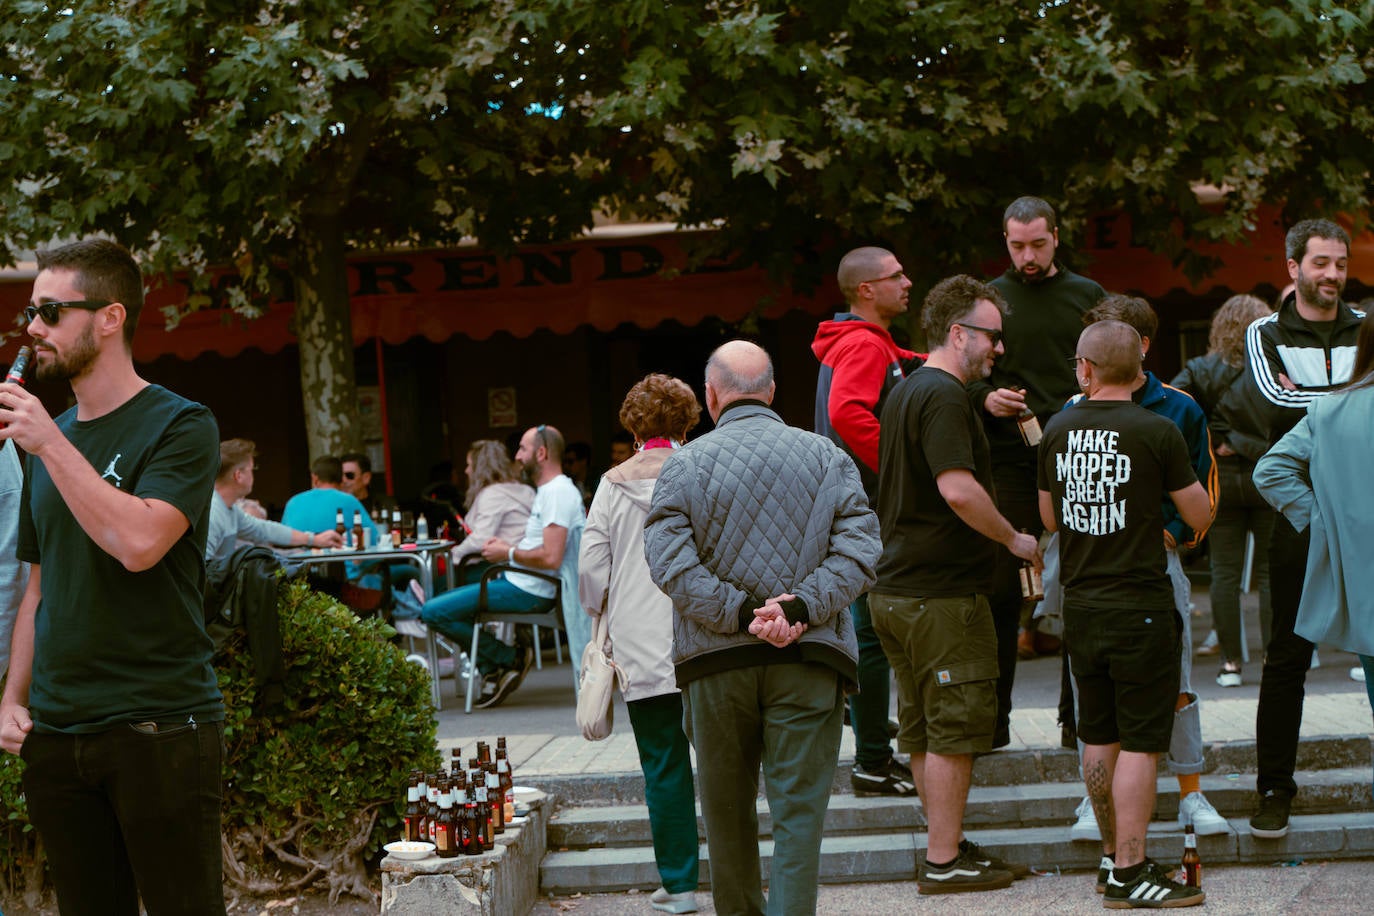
{"points": [[860, 364]]}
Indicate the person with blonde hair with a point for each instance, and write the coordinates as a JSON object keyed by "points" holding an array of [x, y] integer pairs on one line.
{"points": [[497, 501], [613, 579], [1215, 381]]}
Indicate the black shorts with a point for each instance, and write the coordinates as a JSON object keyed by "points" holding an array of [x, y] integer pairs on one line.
{"points": [[1126, 666]]}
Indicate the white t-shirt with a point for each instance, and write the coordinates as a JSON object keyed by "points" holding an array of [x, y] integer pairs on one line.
{"points": [[555, 503]]}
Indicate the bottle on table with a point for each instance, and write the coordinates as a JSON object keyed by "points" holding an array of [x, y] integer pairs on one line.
{"points": [[421, 528], [1192, 862], [359, 532], [395, 527], [1032, 583], [339, 526]]}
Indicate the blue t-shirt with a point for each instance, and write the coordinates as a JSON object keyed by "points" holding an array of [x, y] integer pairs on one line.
{"points": [[110, 645], [317, 510]]}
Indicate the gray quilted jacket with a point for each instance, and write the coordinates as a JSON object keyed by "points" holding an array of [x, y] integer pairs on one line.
{"points": [[751, 510]]}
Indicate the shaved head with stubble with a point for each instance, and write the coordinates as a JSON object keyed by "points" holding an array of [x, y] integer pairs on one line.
{"points": [[1113, 349]]}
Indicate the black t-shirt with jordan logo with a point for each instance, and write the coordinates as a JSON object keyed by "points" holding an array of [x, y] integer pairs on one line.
{"points": [[1107, 466]]}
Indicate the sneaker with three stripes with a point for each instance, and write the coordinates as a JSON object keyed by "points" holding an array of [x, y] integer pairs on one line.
{"points": [[1149, 890]]}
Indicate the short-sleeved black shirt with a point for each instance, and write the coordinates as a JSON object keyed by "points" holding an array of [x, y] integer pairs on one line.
{"points": [[928, 427], [1107, 466], [111, 645]]}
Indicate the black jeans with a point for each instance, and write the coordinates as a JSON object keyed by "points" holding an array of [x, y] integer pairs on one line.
{"points": [[122, 813], [1287, 658]]}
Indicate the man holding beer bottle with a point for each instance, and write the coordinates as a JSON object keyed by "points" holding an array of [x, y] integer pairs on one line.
{"points": [[111, 699]]}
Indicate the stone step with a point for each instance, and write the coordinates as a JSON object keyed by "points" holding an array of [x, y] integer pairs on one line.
{"points": [[1004, 768], [895, 856], [989, 807]]}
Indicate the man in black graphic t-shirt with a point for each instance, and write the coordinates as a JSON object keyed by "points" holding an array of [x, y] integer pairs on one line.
{"points": [[1104, 468]]}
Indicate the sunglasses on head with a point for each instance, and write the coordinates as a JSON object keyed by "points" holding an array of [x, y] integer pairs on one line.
{"points": [[50, 312]]}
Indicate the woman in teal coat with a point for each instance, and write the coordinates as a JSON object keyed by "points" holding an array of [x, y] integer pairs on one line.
{"points": [[1328, 488]]}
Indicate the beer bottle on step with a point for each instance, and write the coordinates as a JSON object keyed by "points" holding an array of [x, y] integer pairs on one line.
{"points": [[477, 779], [496, 799], [507, 777], [412, 816], [1192, 863], [470, 829], [433, 811], [446, 836], [422, 824]]}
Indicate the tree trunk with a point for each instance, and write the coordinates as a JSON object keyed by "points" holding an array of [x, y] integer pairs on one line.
{"points": [[324, 326]]}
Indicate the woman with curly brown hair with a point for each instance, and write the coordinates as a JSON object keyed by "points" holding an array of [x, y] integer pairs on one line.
{"points": [[614, 579], [1214, 381]]}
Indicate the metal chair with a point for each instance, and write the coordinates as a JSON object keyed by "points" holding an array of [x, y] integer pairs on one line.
{"points": [[552, 618]]}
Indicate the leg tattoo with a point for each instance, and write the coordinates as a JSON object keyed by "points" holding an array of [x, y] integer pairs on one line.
{"points": [[1099, 780]]}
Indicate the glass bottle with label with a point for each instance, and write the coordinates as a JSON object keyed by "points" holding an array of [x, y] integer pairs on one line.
{"points": [[1028, 425], [1032, 584]]}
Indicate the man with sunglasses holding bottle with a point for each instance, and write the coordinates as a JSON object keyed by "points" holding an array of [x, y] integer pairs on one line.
{"points": [[1046, 302], [111, 699]]}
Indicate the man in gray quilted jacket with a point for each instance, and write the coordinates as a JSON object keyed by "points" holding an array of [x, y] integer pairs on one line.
{"points": [[761, 535]]}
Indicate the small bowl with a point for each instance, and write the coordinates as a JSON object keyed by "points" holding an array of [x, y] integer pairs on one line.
{"points": [[410, 849]]}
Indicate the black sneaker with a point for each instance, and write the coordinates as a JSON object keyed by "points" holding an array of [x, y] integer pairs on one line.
{"points": [[892, 779], [962, 876], [986, 859], [1151, 890], [1104, 871], [1271, 821], [503, 684]]}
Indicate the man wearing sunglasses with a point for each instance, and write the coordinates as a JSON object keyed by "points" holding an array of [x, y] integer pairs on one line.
{"points": [[357, 479], [860, 364], [1047, 302], [941, 533], [111, 699]]}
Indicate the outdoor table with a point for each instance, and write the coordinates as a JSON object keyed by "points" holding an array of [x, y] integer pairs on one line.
{"points": [[421, 555]]}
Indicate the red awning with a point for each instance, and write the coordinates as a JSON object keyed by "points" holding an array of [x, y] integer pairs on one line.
{"points": [[607, 281]]}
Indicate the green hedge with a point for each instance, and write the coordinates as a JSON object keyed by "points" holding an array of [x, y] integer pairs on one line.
{"points": [[313, 788]]}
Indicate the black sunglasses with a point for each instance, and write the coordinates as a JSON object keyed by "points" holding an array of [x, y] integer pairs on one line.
{"points": [[50, 312], [994, 335]]}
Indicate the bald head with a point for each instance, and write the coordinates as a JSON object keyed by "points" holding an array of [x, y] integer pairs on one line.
{"points": [[1113, 348], [736, 371], [860, 266]]}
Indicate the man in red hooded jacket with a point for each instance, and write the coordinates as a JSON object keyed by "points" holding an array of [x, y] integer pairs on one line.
{"points": [[860, 363]]}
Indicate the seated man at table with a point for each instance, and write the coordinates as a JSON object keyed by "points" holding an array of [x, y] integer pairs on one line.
{"points": [[317, 509], [357, 479], [229, 524], [556, 515]]}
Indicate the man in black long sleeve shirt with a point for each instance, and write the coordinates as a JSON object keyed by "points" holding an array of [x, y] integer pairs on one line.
{"points": [[1047, 305]]}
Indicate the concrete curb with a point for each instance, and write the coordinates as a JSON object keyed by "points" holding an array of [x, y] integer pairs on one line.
{"points": [[1004, 768]]}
